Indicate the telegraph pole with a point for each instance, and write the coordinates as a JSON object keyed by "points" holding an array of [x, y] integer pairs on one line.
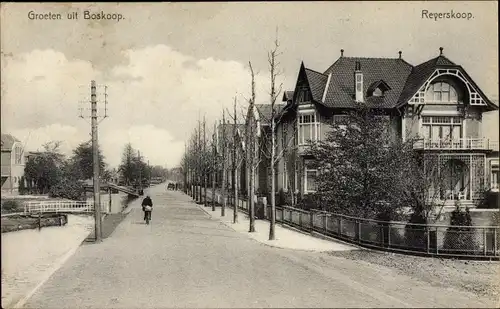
{"points": [[95, 153], [95, 159]]}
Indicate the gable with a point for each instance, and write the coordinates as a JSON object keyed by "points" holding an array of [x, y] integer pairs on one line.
{"points": [[311, 82], [475, 96], [8, 142]]}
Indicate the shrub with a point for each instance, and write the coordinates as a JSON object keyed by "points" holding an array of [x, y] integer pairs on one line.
{"points": [[416, 235], [22, 187], [70, 189], [281, 200], [459, 236], [10, 205], [309, 201]]}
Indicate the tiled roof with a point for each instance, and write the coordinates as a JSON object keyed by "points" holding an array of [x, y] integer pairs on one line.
{"points": [[419, 75], [341, 91], [317, 83], [8, 141], [265, 111]]}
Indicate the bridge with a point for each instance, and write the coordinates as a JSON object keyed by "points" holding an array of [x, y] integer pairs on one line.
{"points": [[63, 207], [108, 186]]}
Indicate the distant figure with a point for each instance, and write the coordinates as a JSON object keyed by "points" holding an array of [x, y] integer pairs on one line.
{"points": [[147, 207]]}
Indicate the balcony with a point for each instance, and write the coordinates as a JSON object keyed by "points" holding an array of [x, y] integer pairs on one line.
{"points": [[468, 143]]}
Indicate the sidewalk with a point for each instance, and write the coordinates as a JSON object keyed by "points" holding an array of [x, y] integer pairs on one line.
{"points": [[285, 238]]}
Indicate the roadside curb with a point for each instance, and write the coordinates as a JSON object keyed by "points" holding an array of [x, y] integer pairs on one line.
{"points": [[273, 245]]}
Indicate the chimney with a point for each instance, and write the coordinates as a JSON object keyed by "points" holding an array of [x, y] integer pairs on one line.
{"points": [[400, 52], [440, 51], [358, 81], [341, 53]]}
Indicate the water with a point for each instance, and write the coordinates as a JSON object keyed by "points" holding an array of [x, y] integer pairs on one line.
{"points": [[118, 201], [28, 255]]}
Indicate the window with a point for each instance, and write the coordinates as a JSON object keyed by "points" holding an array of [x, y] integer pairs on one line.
{"points": [[442, 127], [359, 82], [309, 127], [310, 180], [494, 176], [441, 92], [305, 96], [378, 92], [18, 155], [285, 176]]}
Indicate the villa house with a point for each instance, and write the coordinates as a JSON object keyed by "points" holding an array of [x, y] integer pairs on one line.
{"points": [[258, 128], [436, 101], [13, 162]]}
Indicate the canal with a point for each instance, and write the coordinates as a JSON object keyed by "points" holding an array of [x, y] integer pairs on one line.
{"points": [[30, 256]]}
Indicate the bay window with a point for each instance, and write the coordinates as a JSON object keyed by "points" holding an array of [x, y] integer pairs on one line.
{"points": [[308, 128], [442, 127]]}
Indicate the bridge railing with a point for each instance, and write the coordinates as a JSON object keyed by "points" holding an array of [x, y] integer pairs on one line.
{"points": [[62, 206]]}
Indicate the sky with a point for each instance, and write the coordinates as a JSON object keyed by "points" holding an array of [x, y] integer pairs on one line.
{"points": [[166, 65]]}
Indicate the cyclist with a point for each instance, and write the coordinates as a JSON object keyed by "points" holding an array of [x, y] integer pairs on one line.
{"points": [[147, 207]]}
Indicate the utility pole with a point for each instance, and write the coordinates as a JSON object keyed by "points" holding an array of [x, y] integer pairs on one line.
{"points": [[199, 162], [149, 171], [214, 163], [95, 156], [95, 153], [140, 170], [205, 167]]}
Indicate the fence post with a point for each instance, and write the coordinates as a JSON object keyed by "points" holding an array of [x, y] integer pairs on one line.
{"points": [[382, 240], [39, 220], [312, 220], [436, 239], [495, 242], [389, 235], [300, 218], [359, 230], [428, 232], [340, 226], [485, 243], [325, 222]]}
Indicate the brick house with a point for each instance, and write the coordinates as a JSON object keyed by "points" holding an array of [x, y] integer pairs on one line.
{"points": [[13, 162], [435, 101]]}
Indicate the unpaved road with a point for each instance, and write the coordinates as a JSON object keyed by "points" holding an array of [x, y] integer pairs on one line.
{"points": [[186, 259]]}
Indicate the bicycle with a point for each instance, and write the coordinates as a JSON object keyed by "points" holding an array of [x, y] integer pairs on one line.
{"points": [[148, 210]]}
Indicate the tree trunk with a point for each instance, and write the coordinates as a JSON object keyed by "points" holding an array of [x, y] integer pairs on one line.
{"points": [[273, 188], [251, 207], [224, 185], [235, 209], [205, 192]]}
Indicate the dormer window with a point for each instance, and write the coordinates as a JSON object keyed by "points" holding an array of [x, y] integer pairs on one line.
{"points": [[377, 89], [378, 92], [441, 92]]}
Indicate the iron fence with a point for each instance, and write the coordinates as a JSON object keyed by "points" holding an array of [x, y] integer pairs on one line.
{"points": [[442, 240], [471, 241]]}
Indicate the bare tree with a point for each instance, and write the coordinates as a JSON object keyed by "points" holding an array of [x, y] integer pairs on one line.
{"points": [[237, 159], [251, 154], [205, 166], [214, 164], [274, 94]]}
